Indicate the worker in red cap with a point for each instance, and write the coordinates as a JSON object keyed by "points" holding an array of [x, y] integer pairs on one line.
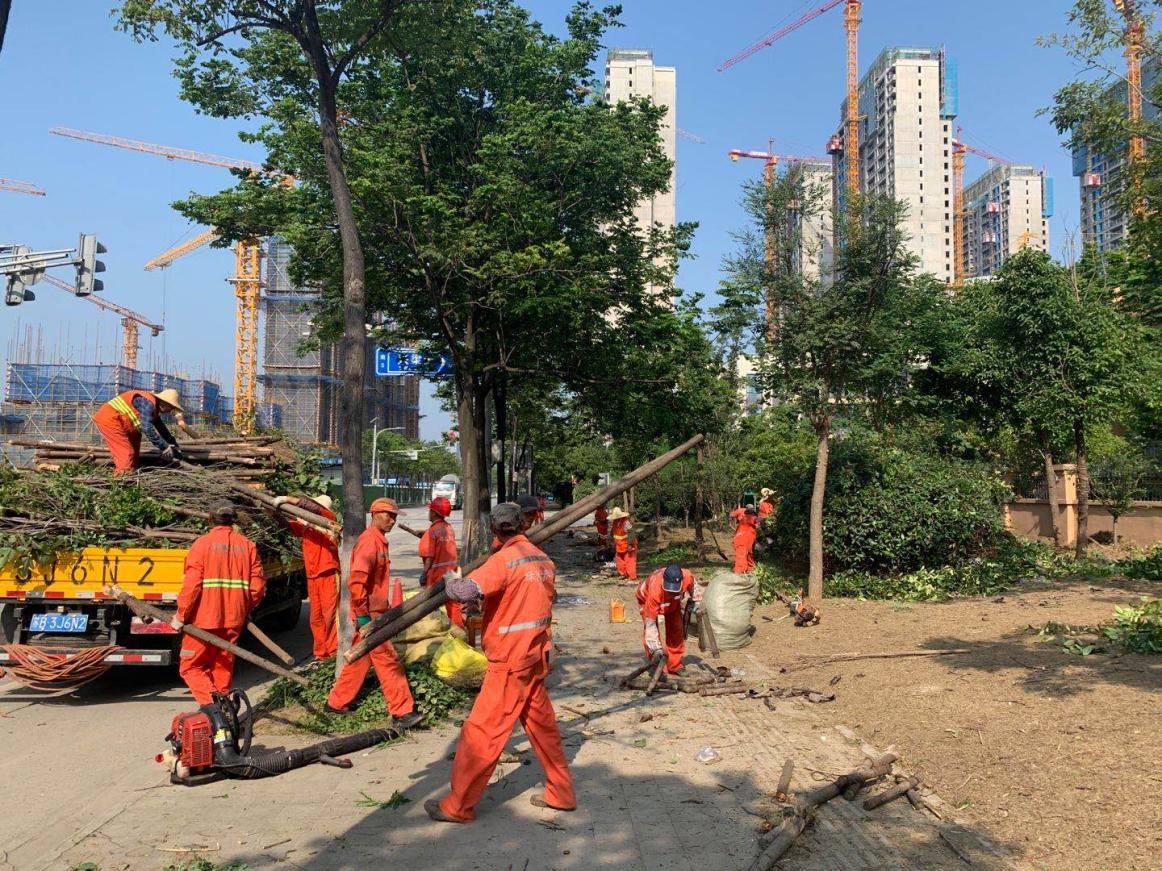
{"points": [[126, 417], [745, 534], [516, 585], [321, 563], [660, 600], [370, 590], [438, 551], [223, 583]]}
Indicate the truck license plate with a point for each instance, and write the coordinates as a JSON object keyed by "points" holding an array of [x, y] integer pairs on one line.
{"points": [[56, 622]]}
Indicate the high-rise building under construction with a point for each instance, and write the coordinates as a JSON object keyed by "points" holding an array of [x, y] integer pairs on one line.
{"points": [[907, 102], [1005, 210]]}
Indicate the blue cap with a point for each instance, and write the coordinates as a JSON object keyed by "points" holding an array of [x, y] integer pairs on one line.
{"points": [[672, 578]]}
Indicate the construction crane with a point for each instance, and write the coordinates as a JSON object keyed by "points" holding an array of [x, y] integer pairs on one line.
{"points": [[1135, 37], [851, 21], [21, 187], [959, 149], [247, 265], [770, 166], [130, 320]]}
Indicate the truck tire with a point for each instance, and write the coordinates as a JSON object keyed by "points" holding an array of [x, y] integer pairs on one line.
{"points": [[7, 623]]}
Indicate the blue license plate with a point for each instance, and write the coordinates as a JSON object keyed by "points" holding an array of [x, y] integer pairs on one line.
{"points": [[55, 622]]}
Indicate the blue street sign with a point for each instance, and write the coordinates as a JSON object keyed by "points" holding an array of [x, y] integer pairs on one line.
{"points": [[406, 361]]}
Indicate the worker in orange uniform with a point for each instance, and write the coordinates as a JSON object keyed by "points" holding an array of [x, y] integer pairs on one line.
{"points": [[660, 600], [766, 506], [541, 505], [601, 521], [745, 533], [530, 510], [370, 584], [624, 543], [321, 562], [517, 585], [125, 418], [223, 583], [438, 551]]}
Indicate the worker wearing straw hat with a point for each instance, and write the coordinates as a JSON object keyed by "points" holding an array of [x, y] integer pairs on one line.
{"points": [[321, 563], [766, 506], [126, 417], [624, 543]]}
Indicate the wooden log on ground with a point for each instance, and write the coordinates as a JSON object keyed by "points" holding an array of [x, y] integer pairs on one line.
{"points": [[711, 640], [269, 643], [892, 794], [141, 609], [727, 690], [785, 780], [625, 681], [793, 825], [395, 620]]}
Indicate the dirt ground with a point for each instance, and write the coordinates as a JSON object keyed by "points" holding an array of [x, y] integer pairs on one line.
{"points": [[1053, 755]]}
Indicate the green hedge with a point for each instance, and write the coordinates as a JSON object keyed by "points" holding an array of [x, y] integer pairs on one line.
{"points": [[891, 510]]}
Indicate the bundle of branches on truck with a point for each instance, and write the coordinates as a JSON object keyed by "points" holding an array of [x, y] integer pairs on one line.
{"points": [[70, 532]]}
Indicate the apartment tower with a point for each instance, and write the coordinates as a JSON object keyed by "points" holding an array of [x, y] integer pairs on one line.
{"points": [[1006, 209], [907, 103]]}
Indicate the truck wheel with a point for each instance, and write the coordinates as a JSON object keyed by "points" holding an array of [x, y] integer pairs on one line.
{"points": [[7, 623]]}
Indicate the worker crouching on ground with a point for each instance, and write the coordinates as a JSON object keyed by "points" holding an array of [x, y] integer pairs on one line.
{"points": [[517, 585], [624, 544], [370, 584], [745, 533], [661, 598], [223, 583], [124, 418], [321, 562], [438, 551]]}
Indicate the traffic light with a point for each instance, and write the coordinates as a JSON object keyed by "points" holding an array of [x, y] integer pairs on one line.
{"points": [[88, 265]]}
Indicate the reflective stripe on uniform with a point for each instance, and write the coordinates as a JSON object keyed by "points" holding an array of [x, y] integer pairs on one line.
{"points": [[225, 584], [534, 558], [521, 627], [126, 409], [449, 562]]}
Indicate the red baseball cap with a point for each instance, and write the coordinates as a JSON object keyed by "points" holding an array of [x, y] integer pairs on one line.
{"points": [[441, 506]]}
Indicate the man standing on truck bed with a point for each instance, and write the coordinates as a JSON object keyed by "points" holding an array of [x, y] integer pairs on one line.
{"points": [[124, 418], [223, 583], [321, 562]]}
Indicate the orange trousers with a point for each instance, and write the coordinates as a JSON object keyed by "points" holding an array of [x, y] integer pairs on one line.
{"points": [[627, 563], [324, 597], [124, 446], [743, 558], [675, 641], [392, 681], [505, 697], [205, 668]]}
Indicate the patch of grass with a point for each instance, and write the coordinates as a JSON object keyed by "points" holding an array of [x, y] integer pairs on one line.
{"points": [[771, 581], [200, 864], [398, 799], [675, 553], [434, 699], [1147, 568], [1138, 628]]}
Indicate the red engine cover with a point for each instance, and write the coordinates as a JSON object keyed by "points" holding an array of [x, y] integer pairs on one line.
{"points": [[195, 736]]}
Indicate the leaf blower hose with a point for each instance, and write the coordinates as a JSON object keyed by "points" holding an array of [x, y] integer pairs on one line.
{"points": [[230, 719]]}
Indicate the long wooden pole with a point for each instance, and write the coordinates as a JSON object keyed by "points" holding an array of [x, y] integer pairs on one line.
{"points": [[269, 643], [384, 627], [141, 609]]}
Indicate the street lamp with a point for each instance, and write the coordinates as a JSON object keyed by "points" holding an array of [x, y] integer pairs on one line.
{"points": [[375, 431]]}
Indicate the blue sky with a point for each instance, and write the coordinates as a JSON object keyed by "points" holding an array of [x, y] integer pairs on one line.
{"points": [[63, 64]]}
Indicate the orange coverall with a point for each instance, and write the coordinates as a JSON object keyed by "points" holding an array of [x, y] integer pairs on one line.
{"points": [[370, 583], [321, 561], [223, 583], [540, 510], [601, 521], [654, 602], [120, 425], [766, 508], [745, 534], [438, 544], [624, 553], [518, 582]]}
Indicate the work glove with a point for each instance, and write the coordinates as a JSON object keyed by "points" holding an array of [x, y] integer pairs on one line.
{"points": [[176, 624], [656, 655], [451, 575], [281, 500], [362, 620], [169, 454]]}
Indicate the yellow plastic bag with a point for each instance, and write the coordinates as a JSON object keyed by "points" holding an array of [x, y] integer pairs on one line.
{"points": [[436, 623], [456, 663]]}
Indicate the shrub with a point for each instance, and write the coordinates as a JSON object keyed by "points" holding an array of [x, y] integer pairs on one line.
{"points": [[1137, 629], [1148, 568], [891, 510]]}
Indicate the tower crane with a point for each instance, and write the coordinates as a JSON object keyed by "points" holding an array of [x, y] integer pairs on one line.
{"points": [[130, 320], [770, 166], [21, 187], [1135, 36], [851, 22], [959, 149], [247, 264]]}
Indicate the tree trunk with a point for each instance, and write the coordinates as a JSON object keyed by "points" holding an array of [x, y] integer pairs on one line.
{"points": [[500, 395], [658, 508], [815, 573], [1051, 490], [470, 430], [700, 495], [353, 347], [1082, 487], [483, 464]]}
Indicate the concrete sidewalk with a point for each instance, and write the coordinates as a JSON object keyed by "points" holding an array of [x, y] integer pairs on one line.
{"points": [[645, 802]]}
